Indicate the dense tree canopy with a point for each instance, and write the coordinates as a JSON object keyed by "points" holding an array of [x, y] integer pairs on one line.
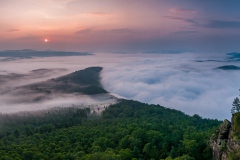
{"points": [[129, 130]]}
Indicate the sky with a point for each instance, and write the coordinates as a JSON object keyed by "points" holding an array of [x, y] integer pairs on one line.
{"points": [[143, 26], [154, 51]]}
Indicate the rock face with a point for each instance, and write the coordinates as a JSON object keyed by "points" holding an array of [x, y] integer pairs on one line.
{"points": [[224, 143]]}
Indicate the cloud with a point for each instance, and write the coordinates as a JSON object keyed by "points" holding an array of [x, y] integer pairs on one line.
{"points": [[181, 14], [199, 20], [208, 23], [84, 31], [213, 24], [182, 11], [13, 30], [10, 79], [220, 24], [186, 32], [15, 96], [93, 102], [176, 81], [120, 31], [167, 51], [29, 37], [110, 31], [172, 80], [99, 13]]}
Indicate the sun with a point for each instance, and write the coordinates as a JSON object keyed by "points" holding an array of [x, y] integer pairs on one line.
{"points": [[45, 40]]}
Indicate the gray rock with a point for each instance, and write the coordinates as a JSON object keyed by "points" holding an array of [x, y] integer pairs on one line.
{"points": [[224, 129], [224, 142]]}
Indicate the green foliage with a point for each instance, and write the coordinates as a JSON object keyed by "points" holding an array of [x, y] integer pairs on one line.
{"points": [[127, 130], [85, 81], [90, 90], [184, 157], [236, 105], [88, 76], [231, 156], [236, 119]]}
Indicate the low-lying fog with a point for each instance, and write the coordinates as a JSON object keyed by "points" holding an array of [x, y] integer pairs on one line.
{"points": [[186, 82]]}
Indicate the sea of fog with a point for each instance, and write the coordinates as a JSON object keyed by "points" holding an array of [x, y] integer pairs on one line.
{"points": [[188, 82]]}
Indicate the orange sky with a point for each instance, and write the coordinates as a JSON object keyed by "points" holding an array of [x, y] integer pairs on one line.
{"points": [[105, 25]]}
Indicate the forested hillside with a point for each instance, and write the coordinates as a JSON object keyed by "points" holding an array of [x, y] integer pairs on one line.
{"points": [[86, 81], [125, 131]]}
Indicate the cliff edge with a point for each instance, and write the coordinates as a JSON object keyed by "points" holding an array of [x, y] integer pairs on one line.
{"points": [[225, 141]]}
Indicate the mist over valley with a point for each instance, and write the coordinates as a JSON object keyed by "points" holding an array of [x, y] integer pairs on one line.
{"points": [[186, 82]]}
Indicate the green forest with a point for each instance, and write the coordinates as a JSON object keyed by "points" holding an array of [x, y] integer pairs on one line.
{"points": [[128, 130]]}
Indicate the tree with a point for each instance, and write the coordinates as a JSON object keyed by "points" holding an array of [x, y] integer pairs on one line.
{"points": [[236, 105], [16, 133], [126, 154]]}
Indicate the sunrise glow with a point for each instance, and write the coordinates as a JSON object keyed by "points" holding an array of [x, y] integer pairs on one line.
{"points": [[143, 26]]}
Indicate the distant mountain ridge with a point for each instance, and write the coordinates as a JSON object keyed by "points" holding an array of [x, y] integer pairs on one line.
{"points": [[85, 81], [81, 82], [228, 67], [88, 76], [33, 53]]}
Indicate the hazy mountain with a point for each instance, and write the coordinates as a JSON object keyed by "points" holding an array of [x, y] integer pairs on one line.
{"points": [[229, 67], [79, 83], [85, 81], [33, 53]]}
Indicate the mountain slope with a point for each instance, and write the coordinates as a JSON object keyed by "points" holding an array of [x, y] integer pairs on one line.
{"points": [[125, 131], [88, 76], [85, 81], [82, 82], [224, 141]]}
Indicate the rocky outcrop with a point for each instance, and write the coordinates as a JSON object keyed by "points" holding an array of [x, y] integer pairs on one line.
{"points": [[219, 139], [224, 142]]}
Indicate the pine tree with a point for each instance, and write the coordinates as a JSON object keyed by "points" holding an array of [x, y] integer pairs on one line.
{"points": [[236, 105]]}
